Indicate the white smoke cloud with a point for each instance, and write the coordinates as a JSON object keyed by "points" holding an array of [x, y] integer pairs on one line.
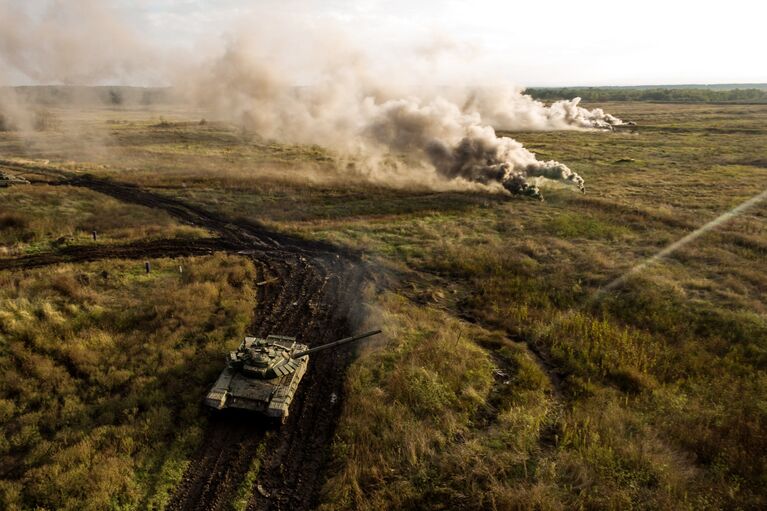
{"points": [[73, 42], [351, 109], [507, 108], [368, 108]]}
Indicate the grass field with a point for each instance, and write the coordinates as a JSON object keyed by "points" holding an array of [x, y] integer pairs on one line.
{"points": [[42, 218], [503, 383], [103, 366]]}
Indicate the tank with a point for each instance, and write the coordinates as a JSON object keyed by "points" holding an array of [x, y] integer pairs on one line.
{"points": [[262, 375], [7, 180]]}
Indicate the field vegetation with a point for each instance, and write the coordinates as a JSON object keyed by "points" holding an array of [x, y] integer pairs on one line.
{"points": [[44, 217], [659, 387], [103, 369], [505, 382]]}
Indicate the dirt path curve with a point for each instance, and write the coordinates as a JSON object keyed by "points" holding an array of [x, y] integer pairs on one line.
{"points": [[314, 298], [317, 289], [311, 302], [240, 231], [138, 250]]}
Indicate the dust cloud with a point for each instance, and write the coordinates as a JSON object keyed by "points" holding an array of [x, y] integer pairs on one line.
{"points": [[296, 80]]}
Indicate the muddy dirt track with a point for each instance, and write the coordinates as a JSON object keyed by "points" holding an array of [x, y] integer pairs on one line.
{"points": [[316, 291], [138, 250]]}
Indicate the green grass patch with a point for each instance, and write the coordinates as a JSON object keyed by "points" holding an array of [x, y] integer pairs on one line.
{"points": [[574, 225]]}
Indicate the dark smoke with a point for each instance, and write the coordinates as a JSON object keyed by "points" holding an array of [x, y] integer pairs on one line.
{"points": [[358, 104]]}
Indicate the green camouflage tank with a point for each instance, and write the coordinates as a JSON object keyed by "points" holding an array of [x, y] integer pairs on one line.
{"points": [[262, 375]]}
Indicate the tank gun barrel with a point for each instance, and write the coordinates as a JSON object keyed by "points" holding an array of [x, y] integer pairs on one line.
{"points": [[333, 344]]}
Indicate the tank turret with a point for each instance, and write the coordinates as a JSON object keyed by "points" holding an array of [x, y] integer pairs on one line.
{"points": [[263, 375]]}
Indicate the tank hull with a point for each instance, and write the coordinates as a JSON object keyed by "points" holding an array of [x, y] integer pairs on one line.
{"points": [[269, 397], [263, 375]]}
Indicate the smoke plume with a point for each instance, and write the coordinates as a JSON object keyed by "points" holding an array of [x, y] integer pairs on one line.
{"points": [[351, 110], [72, 42], [297, 81], [458, 145], [509, 109]]}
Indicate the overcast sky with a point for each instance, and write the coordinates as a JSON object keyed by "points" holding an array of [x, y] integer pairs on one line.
{"points": [[545, 42]]}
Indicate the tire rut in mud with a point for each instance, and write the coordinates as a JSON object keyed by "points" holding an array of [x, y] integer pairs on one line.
{"points": [[238, 231], [305, 304], [293, 466], [316, 293]]}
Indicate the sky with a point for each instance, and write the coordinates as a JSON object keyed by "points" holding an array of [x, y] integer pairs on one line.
{"points": [[541, 43]]}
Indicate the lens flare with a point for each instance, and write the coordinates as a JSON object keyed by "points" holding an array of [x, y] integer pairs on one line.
{"points": [[713, 224]]}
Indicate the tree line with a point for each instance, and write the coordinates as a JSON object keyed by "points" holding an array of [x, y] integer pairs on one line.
{"points": [[670, 95]]}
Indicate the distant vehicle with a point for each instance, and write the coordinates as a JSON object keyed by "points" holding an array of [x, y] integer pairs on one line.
{"points": [[624, 125], [262, 375], [7, 180]]}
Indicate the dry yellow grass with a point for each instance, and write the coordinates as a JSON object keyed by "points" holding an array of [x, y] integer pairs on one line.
{"points": [[651, 398], [102, 377], [42, 218]]}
